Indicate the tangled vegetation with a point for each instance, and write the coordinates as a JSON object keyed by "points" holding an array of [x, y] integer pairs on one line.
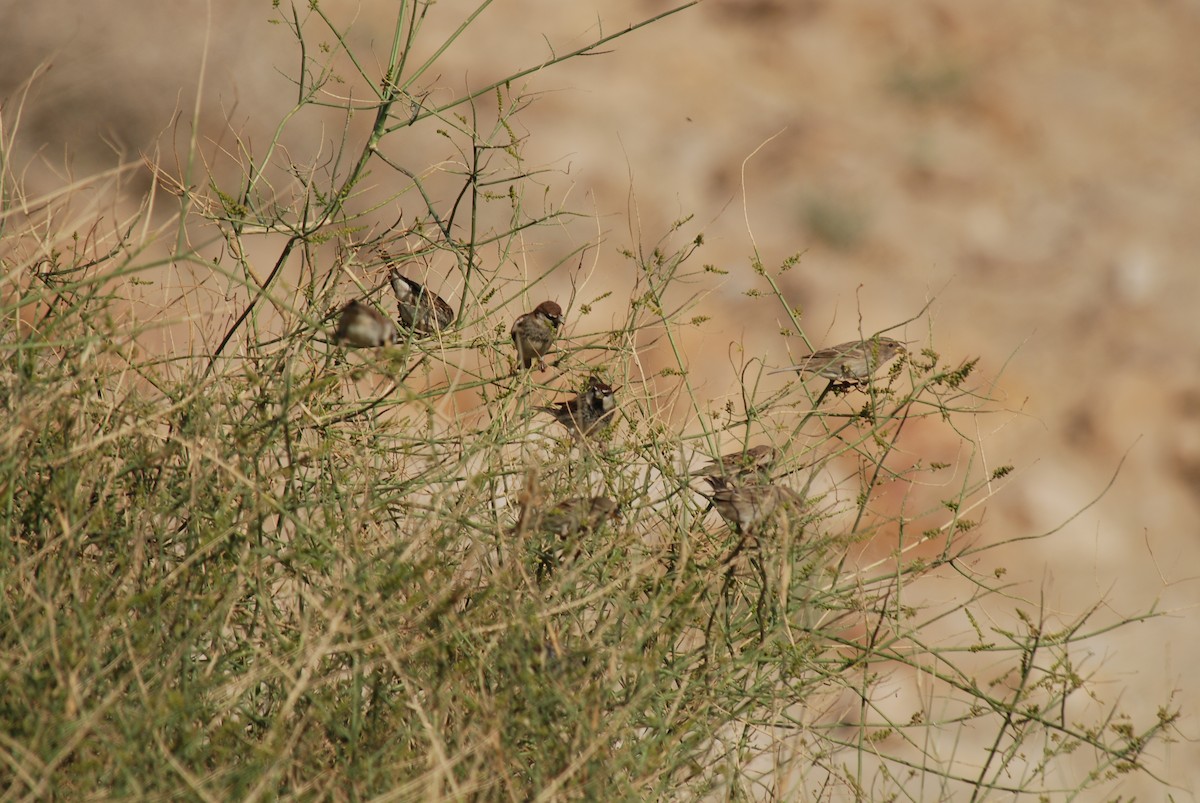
{"points": [[244, 561]]}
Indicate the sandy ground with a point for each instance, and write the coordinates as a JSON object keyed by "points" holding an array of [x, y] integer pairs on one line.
{"points": [[1032, 169]]}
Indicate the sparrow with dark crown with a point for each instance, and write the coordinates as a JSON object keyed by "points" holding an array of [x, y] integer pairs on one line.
{"points": [[421, 310], [362, 326], [534, 334], [589, 412], [853, 362]]}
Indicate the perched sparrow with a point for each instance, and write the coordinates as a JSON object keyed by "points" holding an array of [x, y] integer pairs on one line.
{"points": [[571, 517], [853, 363], [587, 413], [421, 310], [754, 463], [578, 515], [744, 506], [534, 333], [362, 326]]}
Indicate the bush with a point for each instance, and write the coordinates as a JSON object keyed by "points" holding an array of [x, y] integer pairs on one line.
{"points": [[241, 561]]}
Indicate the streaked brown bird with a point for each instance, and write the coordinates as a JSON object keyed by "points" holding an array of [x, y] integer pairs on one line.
{"points": [[853, 362], [753, 464], [589, 412], [744, 507], [578, 515], [534, 334], [568, 520], [421, 310], [362, 326]]}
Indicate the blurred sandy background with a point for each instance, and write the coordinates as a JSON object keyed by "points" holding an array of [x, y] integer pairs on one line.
{"points": [[1033, 166]]}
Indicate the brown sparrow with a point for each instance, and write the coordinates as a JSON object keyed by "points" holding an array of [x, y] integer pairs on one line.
{"points": [[587, 413], [534, 333], [578, 515], [744, 506], [421, 310], [852, 363], [754, 463], [362, 326], [571, 517]]}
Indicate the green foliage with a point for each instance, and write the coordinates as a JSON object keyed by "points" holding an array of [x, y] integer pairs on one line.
{"points": [[242, 562]]}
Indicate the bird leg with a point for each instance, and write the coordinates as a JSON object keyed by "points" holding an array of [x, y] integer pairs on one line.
{"points": [[727, 589]]}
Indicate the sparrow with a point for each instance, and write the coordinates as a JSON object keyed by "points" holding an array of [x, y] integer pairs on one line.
{"points": [[579, 514], [754, 463], [421, 310], [362, 326], [745, 506], [534, 333], [853, 362], [587, 413], [571, 517]]}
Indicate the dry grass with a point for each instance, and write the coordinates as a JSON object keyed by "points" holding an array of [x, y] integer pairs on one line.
{"points": [[242, 563]]}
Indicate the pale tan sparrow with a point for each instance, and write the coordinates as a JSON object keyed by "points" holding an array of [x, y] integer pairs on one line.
{"points": [[578, 514], [746, 506], [589, 412], [534, 333], [362, 326], [853, 362], [420, 309], [753, 464], [568, 519]]}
